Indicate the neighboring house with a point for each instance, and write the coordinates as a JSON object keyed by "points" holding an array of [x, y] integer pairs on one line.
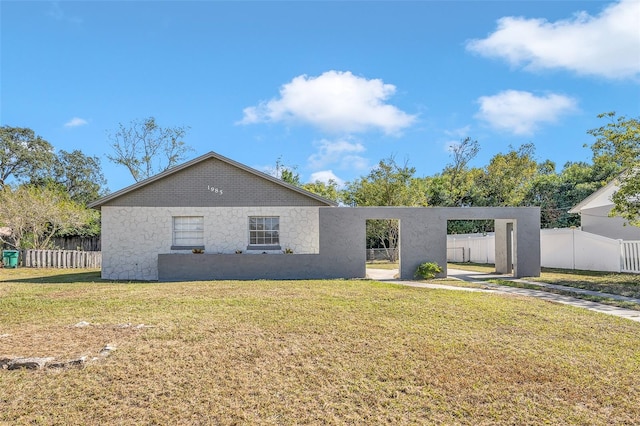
{"points": [[223, 207], [594, 215]]}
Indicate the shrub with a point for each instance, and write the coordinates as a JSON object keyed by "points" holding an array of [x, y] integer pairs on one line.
{"points": [[428, 270]]}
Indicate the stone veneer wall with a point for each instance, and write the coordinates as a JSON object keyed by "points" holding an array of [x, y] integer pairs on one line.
{"points": [[132, 237]]}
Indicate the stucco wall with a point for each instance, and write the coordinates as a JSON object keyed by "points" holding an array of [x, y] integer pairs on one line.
{"points": [[423, 236], [132, 237]]}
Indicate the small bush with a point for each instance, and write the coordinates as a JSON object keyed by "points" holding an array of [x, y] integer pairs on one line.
{"points": [[428, 270]]}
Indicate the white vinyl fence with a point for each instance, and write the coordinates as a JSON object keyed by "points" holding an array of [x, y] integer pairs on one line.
{"points": [[631, 256], [559, 248]]}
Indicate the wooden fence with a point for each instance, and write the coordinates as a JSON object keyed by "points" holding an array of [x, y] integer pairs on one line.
{"points": [[60, 259], [77, 243]]}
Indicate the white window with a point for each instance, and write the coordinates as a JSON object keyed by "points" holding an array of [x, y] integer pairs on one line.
{"points": [[264, 231], [188, 232]]}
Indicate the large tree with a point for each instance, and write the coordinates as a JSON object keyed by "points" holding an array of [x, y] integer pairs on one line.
{"points": [[387, 184], [508, 177], [145, 148], [35, 214], [23, 154], [618, 143], [75, 173]]}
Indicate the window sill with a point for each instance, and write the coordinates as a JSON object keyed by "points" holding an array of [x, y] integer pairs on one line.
{"points": [[187, 247], [264, 248]]}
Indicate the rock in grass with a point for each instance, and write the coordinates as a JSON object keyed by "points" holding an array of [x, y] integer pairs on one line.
{"points": [[4, 362], [29, 363], [78, 362], [106, 351]]}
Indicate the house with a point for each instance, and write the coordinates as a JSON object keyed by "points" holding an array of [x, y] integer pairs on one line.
{"points": [[245, 221], [210, 203], [594, 215]]}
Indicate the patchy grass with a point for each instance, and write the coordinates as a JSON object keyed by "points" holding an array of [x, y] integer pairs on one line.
{"points": [[456, 282], [311, 352]]}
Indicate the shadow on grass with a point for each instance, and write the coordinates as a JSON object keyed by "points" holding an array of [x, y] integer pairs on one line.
{"points": [[57, 276]]}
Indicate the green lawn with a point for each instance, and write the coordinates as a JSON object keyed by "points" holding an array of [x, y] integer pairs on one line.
{"points": [[308, 352]]}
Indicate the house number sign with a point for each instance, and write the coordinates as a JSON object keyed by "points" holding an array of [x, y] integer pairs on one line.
{"points": [[214, 189]]}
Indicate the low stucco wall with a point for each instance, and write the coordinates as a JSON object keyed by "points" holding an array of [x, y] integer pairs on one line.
{"points": [[134, 236], [195, 267]]}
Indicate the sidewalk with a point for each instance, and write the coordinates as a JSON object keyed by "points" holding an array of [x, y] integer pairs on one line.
{"points": [[478, 278]]}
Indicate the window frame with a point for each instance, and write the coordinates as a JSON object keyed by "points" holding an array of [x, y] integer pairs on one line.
{"points": [[267, 238], [195, 226]]}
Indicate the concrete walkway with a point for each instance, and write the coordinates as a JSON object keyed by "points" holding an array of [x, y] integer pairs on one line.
{"points": [[478, 278]]}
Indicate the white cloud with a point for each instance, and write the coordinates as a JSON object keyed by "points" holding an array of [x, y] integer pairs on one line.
{"points": [[606, 45], [521, 113], [325, 176], [342, 152], [336, 102], [76, 122]]}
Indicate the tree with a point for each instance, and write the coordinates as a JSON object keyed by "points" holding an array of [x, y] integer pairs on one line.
{"points": [[36, 214], [77, 174], [146, 149], [22, 154], [627, 199], [618, 143], [457, 173], [328, 190], [508, 176], [388, 184], [286, 173]]}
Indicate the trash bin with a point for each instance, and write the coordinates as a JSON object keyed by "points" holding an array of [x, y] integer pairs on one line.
{"points": [[10, 258]]}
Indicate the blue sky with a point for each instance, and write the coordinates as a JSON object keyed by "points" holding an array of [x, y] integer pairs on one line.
{"points": [[328, 87]]}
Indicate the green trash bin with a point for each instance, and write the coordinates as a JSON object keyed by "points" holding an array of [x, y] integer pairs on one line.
{"points": [[10, 258]]}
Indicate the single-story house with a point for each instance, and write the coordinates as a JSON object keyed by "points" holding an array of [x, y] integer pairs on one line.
{"points": [[251, 225], [594, 215]]}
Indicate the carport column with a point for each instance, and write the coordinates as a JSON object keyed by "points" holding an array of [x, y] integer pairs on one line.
{"points": [[423, 238], [526, 246], [504, 260]]}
